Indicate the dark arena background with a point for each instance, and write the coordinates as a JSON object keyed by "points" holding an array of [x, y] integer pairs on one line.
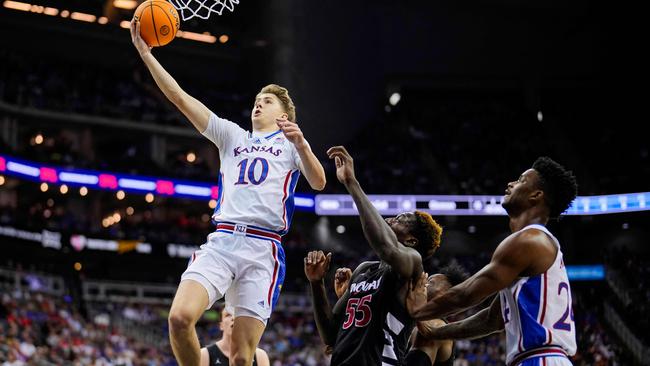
{"points": [[106, 190]]}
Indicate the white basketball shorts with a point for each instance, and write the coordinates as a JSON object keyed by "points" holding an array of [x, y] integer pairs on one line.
{"points": [[243, 263]]}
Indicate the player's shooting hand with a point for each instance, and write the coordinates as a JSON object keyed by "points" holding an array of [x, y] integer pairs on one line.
{"points": [[342, 280], [292, 132], [417, 296], [344, 164], [316, 265], [139, 43]]}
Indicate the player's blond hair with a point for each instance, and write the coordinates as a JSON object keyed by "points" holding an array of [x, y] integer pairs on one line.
{"points": [[285, 99]]}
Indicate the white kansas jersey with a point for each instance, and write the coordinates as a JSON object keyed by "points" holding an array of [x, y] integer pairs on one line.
{"points": [[258, 176], [537, 312]]}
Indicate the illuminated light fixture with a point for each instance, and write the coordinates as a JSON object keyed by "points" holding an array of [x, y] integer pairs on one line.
{"points": [[2, 180], [120, 195], [63, 189], [83, 191], [149, 197], [125, 24], [129, 210], [102, 20], [223, 38], [207, 38], [125, 4], [65, 13], [83, 17], [37, 9], [394, 99], [77, 266], [17, 5], [117, 217], [191, 157], [38, 139], [44, 187], [212, 203], [51, 11], [193, 190]]}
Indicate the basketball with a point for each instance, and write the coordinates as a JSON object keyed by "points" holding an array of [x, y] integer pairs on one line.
{"points": [[158, 22]]}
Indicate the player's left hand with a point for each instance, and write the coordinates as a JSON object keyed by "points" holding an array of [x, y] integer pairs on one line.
{"points": [[292, 132], [417, 296], [316, 265], [344, 164], [342, 280]]}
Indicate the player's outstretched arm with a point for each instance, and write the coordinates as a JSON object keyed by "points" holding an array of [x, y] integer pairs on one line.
{"points": [[194, 110], [316, 267], [406, 262], [481, 324], [262, 358], [510, 259]]}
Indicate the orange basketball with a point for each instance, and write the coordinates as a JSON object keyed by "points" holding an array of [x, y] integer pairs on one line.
{"points": [[158, 22]]}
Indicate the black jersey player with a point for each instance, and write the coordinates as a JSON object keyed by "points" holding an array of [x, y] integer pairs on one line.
{"points": [[370, 325]]}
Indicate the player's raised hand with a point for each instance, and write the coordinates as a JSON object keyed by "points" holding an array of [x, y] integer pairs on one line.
{"points": [[342, 280], [417, 295], [344, 164], [316, 265], [139, 43], [292, 132]]}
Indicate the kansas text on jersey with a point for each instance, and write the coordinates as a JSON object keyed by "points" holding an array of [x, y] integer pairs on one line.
{"points": [[257, 178]]}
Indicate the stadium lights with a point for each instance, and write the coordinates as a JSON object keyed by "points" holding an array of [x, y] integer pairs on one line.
{"points": [[38, 139], [191, 157], [125, 4], [88, 18], [149, 197], [44, 187], [394, 99], [212, 204], [120, 195], [83, 191], [63, 189], [2, 180], [205, 37]]}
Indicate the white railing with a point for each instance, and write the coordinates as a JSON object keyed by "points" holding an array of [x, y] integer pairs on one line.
{"points": [[639, 350], [141, 293]]}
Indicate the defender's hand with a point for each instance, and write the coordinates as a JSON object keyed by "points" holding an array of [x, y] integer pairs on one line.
{"points": [[292, 132], [342, 280], [316, 265], [139, 43], [417, 296], [344, 164]]}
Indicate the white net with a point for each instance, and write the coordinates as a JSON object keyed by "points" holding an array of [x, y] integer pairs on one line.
{"points": [[202, 8]]}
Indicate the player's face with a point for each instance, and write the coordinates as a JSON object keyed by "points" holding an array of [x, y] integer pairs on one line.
{"points": [[518, 192], [266, 108], [436, 285], [402, 225], [226, 324]]}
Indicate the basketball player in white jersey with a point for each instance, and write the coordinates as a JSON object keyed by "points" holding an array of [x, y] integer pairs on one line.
{"points": [[243, 259], [534, 297]]}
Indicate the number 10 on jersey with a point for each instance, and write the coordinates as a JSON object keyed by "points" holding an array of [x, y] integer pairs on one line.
{"points": [[248, 171]]}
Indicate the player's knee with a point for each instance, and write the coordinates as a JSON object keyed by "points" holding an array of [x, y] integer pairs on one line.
{"points": [[180, 320]]}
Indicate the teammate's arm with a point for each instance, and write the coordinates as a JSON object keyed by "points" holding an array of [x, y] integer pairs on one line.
{"points": [[194, 110], [406, 262], [481, 324], [510, 259], [316, 267]]}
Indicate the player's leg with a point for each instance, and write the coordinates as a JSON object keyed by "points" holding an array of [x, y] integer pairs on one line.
{"points": [[190, 302], [204, 281], [257, 290], [246, 334]]}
